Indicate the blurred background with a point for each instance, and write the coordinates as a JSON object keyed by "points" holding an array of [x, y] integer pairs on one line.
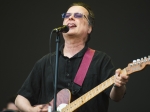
{"points": [[122, 30]]}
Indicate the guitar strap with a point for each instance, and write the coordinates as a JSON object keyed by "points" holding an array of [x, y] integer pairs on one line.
{"points": [[81, 73]]}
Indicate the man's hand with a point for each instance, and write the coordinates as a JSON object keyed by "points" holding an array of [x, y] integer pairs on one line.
{"points": [[121, 78], [40, 108]]}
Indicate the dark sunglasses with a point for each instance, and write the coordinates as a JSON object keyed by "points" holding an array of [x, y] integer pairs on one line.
{"points": [[76, 15]]}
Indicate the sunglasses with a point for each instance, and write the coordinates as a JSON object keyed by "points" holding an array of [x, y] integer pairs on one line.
{"points": [[76, 15]]}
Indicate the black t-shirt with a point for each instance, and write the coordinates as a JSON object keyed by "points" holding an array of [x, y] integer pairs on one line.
{"points": [[38, 87]]}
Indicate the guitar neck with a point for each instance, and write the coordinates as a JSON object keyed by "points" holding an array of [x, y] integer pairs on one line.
{"points": [[137, 65], [89, 95]]}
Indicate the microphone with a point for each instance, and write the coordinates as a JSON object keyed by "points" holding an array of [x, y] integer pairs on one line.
{"points": [[63, 29]]}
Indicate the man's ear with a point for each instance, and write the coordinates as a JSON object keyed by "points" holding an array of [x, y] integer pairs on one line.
{"points": [[90, 29]]}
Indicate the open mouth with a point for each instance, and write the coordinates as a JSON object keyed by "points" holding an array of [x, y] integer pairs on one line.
{"points": [[71, 25]]}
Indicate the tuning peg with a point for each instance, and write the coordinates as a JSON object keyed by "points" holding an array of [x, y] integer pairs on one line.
{"points": [[145, 59], [131, 64], [138, 61], [142, 60], [134, 62], [149, 58]]}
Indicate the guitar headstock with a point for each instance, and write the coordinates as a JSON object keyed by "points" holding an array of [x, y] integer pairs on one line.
{"points": [[137, 65]]}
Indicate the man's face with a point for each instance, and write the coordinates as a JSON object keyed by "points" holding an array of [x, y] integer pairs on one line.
{"points": [[77, 26]]}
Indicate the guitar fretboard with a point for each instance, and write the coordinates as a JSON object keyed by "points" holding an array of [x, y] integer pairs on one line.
{"points": [[89, 95]]}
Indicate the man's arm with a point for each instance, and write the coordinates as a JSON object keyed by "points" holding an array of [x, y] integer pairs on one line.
{"points": [[24, 105], [119, 88]]}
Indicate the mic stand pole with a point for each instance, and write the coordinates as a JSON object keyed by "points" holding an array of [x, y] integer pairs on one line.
{"points": [[56, 72]]}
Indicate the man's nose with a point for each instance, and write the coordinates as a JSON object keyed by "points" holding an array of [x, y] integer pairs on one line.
{"points": [[71, 16]]}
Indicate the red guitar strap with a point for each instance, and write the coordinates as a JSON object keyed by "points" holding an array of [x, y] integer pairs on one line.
{"points": [[79, 78]]}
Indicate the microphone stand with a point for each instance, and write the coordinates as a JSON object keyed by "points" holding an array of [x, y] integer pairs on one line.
{"points": [[56, 72]]}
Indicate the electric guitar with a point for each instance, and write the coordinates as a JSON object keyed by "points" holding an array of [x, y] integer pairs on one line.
{"points": [[64, 96]]}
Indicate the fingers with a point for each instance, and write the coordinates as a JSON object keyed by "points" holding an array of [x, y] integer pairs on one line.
{"points": [[118, 71], [120, 82], [121, 78], [41, 108], [44, 110]]}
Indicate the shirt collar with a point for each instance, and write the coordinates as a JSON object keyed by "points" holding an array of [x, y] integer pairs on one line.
{"points": [[79, 54]]}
